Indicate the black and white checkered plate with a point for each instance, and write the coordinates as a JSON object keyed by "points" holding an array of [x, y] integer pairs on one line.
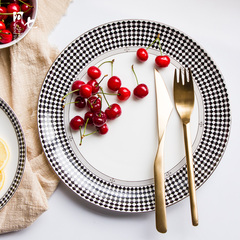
{"points": [[84, 51], [11, 129]]}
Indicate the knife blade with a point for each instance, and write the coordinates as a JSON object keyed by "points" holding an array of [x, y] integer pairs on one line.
{"points": [[164, 110]]}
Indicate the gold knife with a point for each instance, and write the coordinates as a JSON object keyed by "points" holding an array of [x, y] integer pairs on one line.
{"points": [[164, 109]]}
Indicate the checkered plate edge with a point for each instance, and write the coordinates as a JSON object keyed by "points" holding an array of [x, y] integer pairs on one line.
{"points": [[109, 37], [21, 153]]}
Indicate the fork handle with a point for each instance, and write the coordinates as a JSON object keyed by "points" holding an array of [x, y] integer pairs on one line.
{"points": [[159, 182], [190, 172]]}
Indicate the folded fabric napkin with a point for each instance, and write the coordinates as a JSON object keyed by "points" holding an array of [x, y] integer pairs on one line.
{"points": [[22, 71]]}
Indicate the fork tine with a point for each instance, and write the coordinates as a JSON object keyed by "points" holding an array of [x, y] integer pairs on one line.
{"points": [[180, 76], [190, 77], [175, 77], [189, 80], [185, 76]]}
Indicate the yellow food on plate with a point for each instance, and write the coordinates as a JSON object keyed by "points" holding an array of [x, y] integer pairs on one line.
{"points": [[2, 179], [4, 154]]}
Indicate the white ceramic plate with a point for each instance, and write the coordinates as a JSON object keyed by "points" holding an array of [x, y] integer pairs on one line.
{"points": [[115, 171], [11, 132]]}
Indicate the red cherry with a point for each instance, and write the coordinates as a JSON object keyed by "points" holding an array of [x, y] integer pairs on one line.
{"points": [[76, 122], [3, 10], [142, 54], [94, 104], [123, 94], [89, 116], [141, 90], [2, 25], [76, 86], [162, 61], [94, 84], [94, 72], [80, 102], [5, 36], [114, 83], [85, 91], [99, 119], [13, 7], [113, 111], [26, 9], [103, 129], [18, 26]]}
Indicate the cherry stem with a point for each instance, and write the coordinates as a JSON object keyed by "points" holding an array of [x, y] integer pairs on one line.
{"points": [[91, 106], [69, 93], [69, 103], [160, 47], [105, 97], [151, 44], [25, 3], [99, 97], [102, 79], [156, 39], [135, 74], [115, 94], [6, 13], [153, 41], [85, 127], [112, 67], [106, 62], [81, 136], [90, 133]]}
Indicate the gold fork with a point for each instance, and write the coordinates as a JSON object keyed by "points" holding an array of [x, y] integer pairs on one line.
{"points": [[184, 103]]}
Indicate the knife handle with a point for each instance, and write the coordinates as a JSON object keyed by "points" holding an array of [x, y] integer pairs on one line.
{"points": [[159, 181], [190, 172]]}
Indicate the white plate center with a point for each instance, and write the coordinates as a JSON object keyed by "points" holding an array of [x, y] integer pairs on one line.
{"points": [[127, 152]]}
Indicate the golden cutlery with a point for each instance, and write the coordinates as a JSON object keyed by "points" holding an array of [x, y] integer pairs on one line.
{"points": [[164, 109], [184, 103]]}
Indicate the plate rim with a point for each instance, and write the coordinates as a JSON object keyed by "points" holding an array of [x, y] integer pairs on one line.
{"points": [[185, 35], [21, 155]]}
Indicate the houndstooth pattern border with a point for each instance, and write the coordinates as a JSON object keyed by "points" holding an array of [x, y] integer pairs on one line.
{"points": [[108, 37], [21, 155]]}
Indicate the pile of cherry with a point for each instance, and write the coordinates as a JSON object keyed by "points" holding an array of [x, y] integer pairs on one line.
{"points": [[11, 28], [90, 95]]}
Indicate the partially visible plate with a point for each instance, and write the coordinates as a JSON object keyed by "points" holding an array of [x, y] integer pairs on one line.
{"points": [[11, 132], [30, 24], [116, 171]]}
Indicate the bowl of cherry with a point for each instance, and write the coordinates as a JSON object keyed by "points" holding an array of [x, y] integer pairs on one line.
{"points": [[17, 17]]}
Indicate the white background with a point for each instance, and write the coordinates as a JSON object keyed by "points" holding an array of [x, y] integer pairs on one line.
{"points": [[215, 25]]}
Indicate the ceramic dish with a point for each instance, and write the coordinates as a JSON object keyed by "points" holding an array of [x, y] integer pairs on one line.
{"points": [[11, 132], [115, 171], [32, 19]]}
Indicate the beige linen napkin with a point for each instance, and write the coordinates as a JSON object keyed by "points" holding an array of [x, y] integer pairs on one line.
{"points": [[22, 71]]}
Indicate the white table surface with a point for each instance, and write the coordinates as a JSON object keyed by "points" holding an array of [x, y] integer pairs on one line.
{"points": [[215, 25]]}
